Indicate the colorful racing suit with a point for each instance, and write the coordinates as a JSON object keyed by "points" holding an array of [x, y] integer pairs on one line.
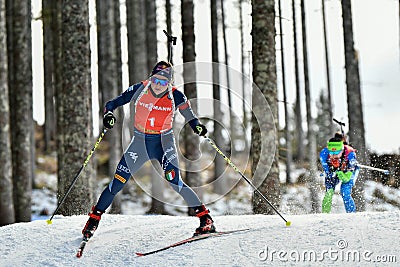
{"points": [[346, 163], [153, 139]]}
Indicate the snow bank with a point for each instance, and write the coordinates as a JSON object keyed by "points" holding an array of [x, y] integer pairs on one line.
{"points": [[362, 239]]}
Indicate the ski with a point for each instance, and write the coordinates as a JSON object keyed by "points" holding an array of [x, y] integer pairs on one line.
{"points": [[189, 240], [82, 246]]}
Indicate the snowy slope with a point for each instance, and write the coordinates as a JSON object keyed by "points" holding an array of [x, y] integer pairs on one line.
{"points": [[334, 239]]}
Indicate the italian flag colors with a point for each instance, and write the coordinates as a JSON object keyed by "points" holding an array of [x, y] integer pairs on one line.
{"points": [[170, 175]]}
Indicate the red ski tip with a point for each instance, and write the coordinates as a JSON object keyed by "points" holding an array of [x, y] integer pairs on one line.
{"points": [[79, 254], [139, 254]]}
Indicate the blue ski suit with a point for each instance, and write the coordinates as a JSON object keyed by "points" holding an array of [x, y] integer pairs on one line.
{"points": [[346, 163], [153, 139]]}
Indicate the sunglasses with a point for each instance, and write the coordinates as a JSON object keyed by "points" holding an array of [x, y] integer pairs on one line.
{"points": [[162, 82], [337, 152]]}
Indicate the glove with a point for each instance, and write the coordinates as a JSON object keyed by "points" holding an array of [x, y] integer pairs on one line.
{"points": [[344, 176], [109, 120], [200, 129]]}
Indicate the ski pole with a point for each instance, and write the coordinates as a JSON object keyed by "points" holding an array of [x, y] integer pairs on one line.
{"points": [[49, 221], [341, 127], [373, 168], [212, 143], [171, 41]]}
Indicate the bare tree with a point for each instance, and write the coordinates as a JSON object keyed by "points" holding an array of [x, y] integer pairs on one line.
{"points": [[288, 137], [264, 76], [48, 10], [110, 77], [232, 128], [297, 108], [74, 109], [20, 89], [57, 59], [354, 101], [168, 21], [310, 120], [305, 66], [242, 61], [219, 162], [328, 76], [189, 75], [7, 214], [137, 50]]}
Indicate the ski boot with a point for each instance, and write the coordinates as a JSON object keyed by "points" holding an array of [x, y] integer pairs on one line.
{"points": [[206, 222], [92, 223]]}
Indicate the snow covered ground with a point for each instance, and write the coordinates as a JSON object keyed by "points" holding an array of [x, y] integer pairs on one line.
{"points": [[361, 239], [370, 238]]}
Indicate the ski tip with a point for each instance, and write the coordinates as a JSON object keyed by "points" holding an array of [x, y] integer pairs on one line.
{"points": [[49, 221], [288, 223], [79, 254], [139, 254]]}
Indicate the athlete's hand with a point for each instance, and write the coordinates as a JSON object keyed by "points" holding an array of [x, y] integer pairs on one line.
{"points": [[109, 120], [344, 176], [200, 129]]}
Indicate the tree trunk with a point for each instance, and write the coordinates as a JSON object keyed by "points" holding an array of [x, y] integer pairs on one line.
{"points": [[191, 141], [310, 121], [20, 90], [137, 32], [328, 76], [74, 108], [288, 138], [354, 102], [7, 215], [168, 21], [232, 128], [242, 61], [116, 207], [305, 67], [297, 109], [110, 78], [264, 134], [219, 163], [137, 50], [48, 14], [57, 71]]}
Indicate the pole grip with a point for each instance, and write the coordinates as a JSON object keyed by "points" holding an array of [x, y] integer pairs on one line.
{"points": [[339, 122]]}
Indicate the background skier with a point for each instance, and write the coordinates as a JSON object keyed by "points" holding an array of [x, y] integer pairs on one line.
{"points": [[339, 163]]}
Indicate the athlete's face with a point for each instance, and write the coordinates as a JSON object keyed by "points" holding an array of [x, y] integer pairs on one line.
{"points": [[159, 83]]}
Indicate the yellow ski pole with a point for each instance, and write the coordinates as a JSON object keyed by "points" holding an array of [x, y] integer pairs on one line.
{"points": [[212, 143], [49, 221]]}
